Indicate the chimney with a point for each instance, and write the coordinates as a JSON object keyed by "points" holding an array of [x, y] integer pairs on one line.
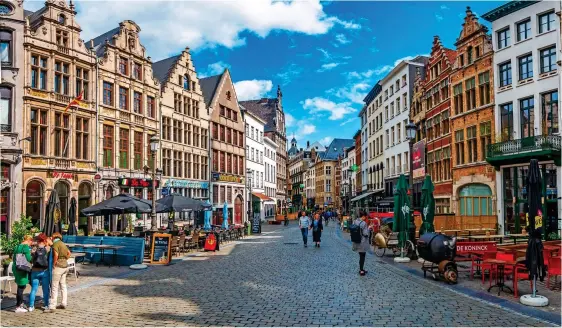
{"points": [[308, 144]]}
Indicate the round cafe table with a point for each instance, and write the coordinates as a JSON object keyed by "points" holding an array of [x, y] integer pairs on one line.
{"points": [[500, 265]]}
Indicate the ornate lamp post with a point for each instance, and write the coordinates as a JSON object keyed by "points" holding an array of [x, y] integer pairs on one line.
{"points": [[249, 173], [411, 130], [156, 174]]}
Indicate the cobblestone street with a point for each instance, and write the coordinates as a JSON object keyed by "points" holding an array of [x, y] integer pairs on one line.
{"points": [[271, 280]]}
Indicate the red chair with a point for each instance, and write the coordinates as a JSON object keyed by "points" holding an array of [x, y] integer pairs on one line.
{"points": [[553, 270], [521, 273], [482, 266], [508, 269]]}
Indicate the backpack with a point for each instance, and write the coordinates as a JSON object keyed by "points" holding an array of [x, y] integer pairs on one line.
{"points": [[355, 233], [41, 259]]}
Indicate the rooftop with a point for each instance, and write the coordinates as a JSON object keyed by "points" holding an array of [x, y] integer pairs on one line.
{"points": [[506, 9]]}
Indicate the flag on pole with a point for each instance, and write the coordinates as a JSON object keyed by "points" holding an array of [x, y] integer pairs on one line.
{"points": [[76, 101]]}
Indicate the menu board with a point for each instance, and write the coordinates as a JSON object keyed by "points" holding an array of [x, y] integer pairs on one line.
{"points": [[160, 252], [256, 223]]}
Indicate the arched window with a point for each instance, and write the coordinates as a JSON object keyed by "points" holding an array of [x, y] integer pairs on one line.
{"points": [[6, 47], [475, 199], [34, 201], [62, 19], [84, 201], [185, 82], [62, 191], [5, 109], [108, 192]]}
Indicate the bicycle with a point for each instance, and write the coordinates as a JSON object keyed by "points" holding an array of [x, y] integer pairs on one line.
{"points": [[383, 241]]}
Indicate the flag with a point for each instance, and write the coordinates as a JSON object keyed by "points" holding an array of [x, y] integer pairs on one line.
{"points": [[75, 101]]}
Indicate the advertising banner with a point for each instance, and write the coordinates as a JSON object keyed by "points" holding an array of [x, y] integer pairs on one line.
{"points": [[418, 159]]}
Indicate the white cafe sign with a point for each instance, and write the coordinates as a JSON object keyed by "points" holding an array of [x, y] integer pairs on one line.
{"points": [[174, 183]]}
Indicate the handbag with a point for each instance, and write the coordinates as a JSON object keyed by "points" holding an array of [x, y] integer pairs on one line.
{"points": [[22, 263]]}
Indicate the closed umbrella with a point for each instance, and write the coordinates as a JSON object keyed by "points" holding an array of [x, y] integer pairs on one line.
{"points": [[120, 204], [207, 223], [72, 218], [225, 216], [401, 212], [52, 215], [534, 258], [428, 206]]}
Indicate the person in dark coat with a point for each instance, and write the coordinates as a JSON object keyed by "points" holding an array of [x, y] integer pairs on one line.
{"points": [[317, 228]]}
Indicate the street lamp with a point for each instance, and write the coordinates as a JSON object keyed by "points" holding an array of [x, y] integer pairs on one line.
{"points": [[156, 174], [249, 173], [411, 130]]}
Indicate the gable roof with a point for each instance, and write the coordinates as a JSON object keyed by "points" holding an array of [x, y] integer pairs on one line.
{"points": [[99, 41], [265, 108], [209, 86], [163, 68], [337, 148]]}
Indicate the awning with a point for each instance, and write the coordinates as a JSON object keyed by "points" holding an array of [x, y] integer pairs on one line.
{"points": [[261, 196], [367, 194], [385, 202]]}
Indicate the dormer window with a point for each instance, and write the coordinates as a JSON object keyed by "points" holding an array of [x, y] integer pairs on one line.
{"points": [[469, 55], [62, 19]]}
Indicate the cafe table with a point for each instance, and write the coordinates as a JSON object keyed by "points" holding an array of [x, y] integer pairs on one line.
{"points": [[470, 231], [455, 231], [500, 266], [516, 236], [489, 237]]}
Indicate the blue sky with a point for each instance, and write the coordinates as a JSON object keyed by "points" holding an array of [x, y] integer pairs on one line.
{"points": [[325, 55]]}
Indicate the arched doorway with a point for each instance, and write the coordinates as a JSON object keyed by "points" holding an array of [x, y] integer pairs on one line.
{"points": [[84, 200], [109, 192], [34, 202], [238, 209], [63, 191]]}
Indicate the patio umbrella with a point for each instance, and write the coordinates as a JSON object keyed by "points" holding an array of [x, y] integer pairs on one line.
{"points": [[207, 222], [72, 218], [52, 215], [428, 206], [120, 204], [225, 216], [401, 210], [178, 203], [534, 258]]}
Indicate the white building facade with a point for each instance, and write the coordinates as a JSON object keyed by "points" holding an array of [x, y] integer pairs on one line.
{"points": [[348, 185], [526, 40], [364, 148], [270, 177]]}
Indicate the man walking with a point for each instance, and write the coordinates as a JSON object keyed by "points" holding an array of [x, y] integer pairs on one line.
{"points": [[304, 225]]}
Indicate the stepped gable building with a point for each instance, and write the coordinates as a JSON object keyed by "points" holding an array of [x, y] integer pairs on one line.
{"points": [[326, 167], [128, 115], [185, 129], [228, 156], [437, 101], [11, 118], [472, 120], [271, 111], [417, 116], [60, 154]]}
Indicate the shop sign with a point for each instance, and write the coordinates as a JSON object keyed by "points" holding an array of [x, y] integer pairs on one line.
{"points": [[62, 175], [226, 177], [418, 159], [160, 253], [137, 183], [174, 183]]}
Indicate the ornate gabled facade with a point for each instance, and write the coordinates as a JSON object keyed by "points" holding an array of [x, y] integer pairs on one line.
{"points": [[228, 145], [437, 101], [60, 155], [128, 114], [417, 116], [472, 120], [11, 118], [185, 129]]}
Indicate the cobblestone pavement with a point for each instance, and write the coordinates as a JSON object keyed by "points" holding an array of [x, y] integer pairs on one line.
{"points": [[271, 280]]}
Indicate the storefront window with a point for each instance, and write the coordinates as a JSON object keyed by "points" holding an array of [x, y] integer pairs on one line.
{"points": [[62, 190], [508, 183], [138, 192], [109, 192], [34, 201], [475, 200], [522, 172], [551, 190]]}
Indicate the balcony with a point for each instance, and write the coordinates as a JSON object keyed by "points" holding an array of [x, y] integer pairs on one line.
{"points": [[516, 151]]}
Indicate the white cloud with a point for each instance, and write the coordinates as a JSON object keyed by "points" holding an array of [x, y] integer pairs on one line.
{"points": [[341, 38], [252, 89], [349, 121], [438, 17], [326, 141], [354, 92], [443, 7], [289, 73], [307, 129], [328, 67], [214, 69], [289, 120], [169, 26], [327, 55], [318, 105]]}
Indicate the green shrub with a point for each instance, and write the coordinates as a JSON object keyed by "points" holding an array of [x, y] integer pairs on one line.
{"points": [[19, 230]]}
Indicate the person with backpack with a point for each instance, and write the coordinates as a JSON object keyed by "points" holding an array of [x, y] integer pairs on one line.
{"points": [[41, 273], [304, 225], [317, 228], [61, 254], [359, 233], [21, 267]]}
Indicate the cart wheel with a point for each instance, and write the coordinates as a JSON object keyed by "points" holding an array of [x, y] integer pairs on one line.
{"points": [[409, 248], [379, 251]]}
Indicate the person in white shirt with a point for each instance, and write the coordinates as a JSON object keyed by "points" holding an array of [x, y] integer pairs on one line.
{"points": [[304, 225]]}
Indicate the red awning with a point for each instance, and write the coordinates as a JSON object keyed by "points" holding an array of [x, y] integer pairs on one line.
{"points": [[261, 196]]}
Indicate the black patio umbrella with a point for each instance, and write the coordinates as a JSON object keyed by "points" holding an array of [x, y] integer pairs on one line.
{"points": [[52, 215], [534, 257], [120, 204], [72, 218], [177, 203]]}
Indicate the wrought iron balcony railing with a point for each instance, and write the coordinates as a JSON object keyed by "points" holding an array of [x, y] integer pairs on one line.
{"points": [[529, 144]]}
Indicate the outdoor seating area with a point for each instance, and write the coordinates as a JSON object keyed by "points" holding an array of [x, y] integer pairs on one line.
{"points": [[194, 240]]}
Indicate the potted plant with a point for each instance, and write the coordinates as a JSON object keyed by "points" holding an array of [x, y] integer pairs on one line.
{"points": [[20, 229], [80, 232]]}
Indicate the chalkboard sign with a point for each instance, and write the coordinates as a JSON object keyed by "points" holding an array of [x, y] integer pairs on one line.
{"points": [[256, 223], [160, 252]]}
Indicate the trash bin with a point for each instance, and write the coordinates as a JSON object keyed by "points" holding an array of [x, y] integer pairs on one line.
{"points": [[249, 230]]}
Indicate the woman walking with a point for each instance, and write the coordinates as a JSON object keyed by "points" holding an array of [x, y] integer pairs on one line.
{"points": [[40, 274], [317, 228], [304, 225], [363, 246], [22, 254]]}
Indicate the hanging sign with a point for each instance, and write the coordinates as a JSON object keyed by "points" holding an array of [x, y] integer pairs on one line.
{"points": [[161, 251], [137, 183], [211, 242]]}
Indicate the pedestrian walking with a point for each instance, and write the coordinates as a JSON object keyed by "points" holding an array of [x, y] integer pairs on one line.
{"points": [[21, 266], [359, 232], [304, 225], [317, 228], [41, 273], [61, 254]]}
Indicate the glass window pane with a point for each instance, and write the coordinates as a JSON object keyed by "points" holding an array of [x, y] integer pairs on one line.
{"points": [[469, 206], [477, 206]]}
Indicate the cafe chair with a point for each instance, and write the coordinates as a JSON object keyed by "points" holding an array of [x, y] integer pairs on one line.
{"points": [[520, 273], [8, 278], [72, 267], [477, 263], [553, 270]]}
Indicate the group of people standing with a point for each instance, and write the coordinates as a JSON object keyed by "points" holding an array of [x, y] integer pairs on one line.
{"points": [[315, 224], [41, 261]]}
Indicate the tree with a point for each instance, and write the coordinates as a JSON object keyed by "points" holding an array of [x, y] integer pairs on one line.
{"points": [[20, 229]]}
